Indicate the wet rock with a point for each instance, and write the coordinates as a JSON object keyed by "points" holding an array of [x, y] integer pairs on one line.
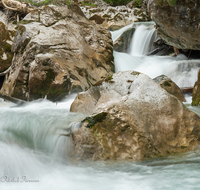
{"points": [[161, 48], [122, 44], [133, 118], [196, 92], [167, 84], [187, 90], [177, 22], [57, 51]]}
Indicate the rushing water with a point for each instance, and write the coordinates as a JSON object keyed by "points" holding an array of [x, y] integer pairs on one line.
{"points": [[181, 70], [35, 151]]}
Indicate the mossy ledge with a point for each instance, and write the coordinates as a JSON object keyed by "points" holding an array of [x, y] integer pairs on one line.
{"points": [[92, 120], [107, 79]]}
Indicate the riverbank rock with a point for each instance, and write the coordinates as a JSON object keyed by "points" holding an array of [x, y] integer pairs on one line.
{"points": [[167, 84], [196, 92], [57, 51], [133, 118], [114, 18], [7, 32], [178, 23]]}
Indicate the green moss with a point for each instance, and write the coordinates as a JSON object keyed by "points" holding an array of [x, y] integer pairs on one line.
{"points": [[51, 2], [171, 2], [26, 21], [166, 83], [138, 3], [135, 73], [83, 3], [7, 47], [95, 119], [196, 101], [21, 29], [108, 79]]}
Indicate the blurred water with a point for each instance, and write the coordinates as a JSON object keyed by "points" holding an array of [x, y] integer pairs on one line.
{"points": [[181, 70], [34, 155], [35, 151]]}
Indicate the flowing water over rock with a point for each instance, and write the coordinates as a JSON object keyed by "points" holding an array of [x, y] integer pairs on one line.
{"points": [[34, 146], [181, 70]]}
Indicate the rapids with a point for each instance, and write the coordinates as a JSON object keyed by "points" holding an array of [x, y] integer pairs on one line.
{"points": [[35, 151]]}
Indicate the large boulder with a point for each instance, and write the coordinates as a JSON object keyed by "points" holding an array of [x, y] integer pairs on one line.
{"points": [[57, 51], [177, 22], [196, 92], [133, 118], [171, 87]]}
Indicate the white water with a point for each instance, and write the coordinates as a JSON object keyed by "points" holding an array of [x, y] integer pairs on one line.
{"points": [[32, 145], [181, 70], [148, 35]]}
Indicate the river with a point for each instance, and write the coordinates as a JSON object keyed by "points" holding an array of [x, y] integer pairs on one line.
{"points": [[35, 153]]}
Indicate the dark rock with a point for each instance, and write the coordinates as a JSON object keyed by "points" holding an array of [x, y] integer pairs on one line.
{"points": [[122, 44], [177, 22]]}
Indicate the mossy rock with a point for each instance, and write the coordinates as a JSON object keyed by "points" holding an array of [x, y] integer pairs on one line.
{"points": [[196, 92], [6, 55], [92, 120]]}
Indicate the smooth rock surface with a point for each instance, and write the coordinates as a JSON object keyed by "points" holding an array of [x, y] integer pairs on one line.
{"points": [[133, 118]]}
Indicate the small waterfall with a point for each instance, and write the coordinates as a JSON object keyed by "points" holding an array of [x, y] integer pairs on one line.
{"points": [[181, 70], [142, 41]]}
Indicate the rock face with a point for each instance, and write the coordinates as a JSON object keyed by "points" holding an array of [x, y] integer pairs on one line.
{"points": [[7, 32], [114, 18], [133, 118], [167, 84], [122, 44], [196, 92], [177, 24], [57, 51]]}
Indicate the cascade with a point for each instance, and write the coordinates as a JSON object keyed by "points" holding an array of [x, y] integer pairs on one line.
{"points": [[142, 41], [181, 70], [35, 142]]}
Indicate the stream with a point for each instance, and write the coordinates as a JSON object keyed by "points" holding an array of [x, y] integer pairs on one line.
{"points": [[35, 151]]}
